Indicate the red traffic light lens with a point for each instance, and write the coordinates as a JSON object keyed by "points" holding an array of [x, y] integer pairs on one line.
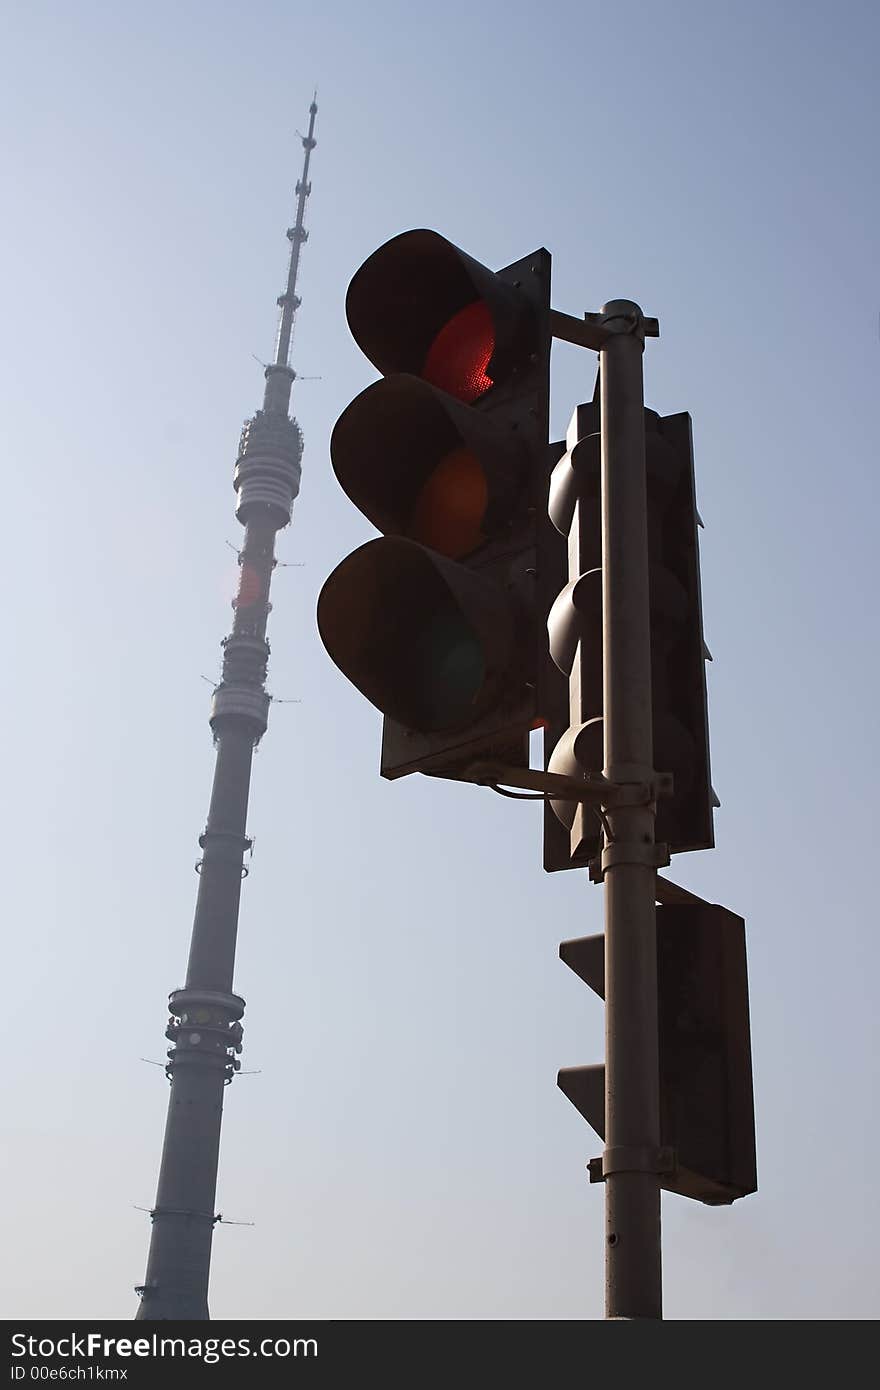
{"points": [[449, 510], [461, 352]]}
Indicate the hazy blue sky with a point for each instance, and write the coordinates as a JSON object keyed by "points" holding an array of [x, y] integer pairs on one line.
{"points": [[403, 1150]]}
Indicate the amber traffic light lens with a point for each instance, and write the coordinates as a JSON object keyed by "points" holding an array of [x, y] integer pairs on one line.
{"points": [[449, 511], [421, 464], [459, 356]]}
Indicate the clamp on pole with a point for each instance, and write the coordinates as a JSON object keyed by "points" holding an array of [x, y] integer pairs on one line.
{"points": [[652, 856], [625, 1160]]}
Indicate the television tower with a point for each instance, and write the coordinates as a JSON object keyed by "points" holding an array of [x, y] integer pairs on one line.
{"points": [[205, 1024]]}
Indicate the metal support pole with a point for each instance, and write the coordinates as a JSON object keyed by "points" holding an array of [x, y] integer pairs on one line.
{"points": [[632, 1084]]}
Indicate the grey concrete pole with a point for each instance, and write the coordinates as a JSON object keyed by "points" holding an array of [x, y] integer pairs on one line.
{"points": [[632, 1084]]}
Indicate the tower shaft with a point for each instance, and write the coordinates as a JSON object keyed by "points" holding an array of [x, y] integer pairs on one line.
{"points": [[204, 1027]]}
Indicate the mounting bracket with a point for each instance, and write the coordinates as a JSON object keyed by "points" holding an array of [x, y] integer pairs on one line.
{"points": [[591, 789]]}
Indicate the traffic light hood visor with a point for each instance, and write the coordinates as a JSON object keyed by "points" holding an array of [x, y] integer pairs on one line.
{"points": [[427, 641], [421, 305], [420, 464]]}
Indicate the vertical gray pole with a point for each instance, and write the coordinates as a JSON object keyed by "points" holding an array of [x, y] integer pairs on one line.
{"points": [[632, 1082]]}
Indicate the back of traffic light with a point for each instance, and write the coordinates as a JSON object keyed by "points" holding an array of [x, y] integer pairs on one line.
{"points": [[440, 621], [678, 651], [707, 1117]]}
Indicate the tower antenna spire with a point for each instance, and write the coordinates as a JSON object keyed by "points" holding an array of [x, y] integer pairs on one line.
{"points": [[280, 375], [204, 1027]]}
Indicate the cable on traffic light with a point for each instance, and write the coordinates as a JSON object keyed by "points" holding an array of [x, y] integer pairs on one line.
{"points": [[547, 796]]}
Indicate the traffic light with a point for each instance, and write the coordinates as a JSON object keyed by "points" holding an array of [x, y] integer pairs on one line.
{"points": [[678, 652], [440, 622], [707, 1118]]}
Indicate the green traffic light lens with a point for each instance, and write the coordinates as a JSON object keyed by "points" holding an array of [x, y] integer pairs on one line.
{"points": [[426, 640], [445, 673]]}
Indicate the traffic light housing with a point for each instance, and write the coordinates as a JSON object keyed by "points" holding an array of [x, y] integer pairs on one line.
{"points": [[440, 622], [678, 652], [707, 1116]]}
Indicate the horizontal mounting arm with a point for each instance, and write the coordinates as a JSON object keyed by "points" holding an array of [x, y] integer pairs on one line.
{"points": [[592, 331], [597, 791]]}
